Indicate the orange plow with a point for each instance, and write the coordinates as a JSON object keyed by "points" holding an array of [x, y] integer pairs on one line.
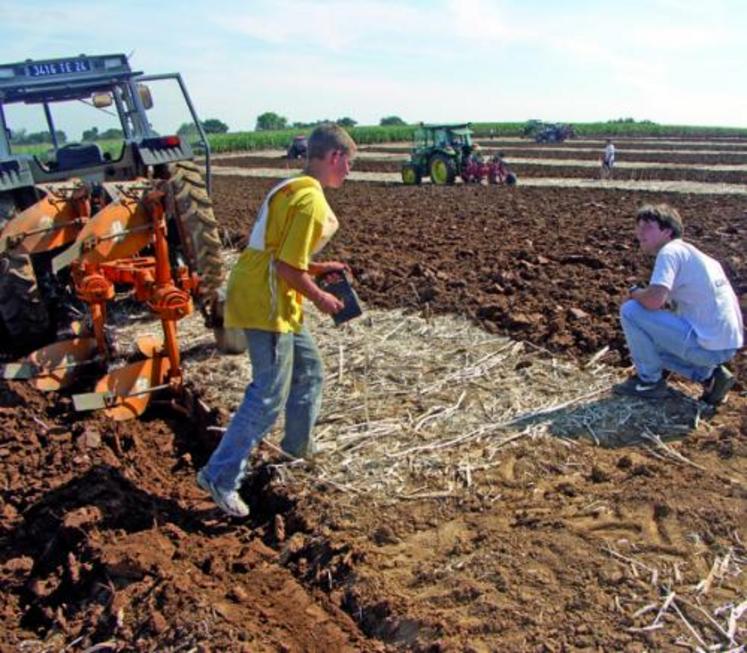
{"points": [[52, 222], [104, 255], [55, 366]]}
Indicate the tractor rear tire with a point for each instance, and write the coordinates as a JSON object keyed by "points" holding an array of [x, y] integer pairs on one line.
{"points": [[22, 308], [442, 169], [411, 175], [194, 210], [24, 314]]}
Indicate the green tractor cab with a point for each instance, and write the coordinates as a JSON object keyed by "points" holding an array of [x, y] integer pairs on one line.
{"points": [[438, 152]]}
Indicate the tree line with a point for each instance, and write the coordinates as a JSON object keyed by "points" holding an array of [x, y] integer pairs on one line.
{"points": [[268, 121], [22, 137], [271, 121]]}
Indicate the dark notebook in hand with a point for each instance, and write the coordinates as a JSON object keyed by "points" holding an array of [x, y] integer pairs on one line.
{"points": [[338, 284]]}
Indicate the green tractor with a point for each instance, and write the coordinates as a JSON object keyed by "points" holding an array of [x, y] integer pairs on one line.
{"points": [[439, 152], [445, 152]]}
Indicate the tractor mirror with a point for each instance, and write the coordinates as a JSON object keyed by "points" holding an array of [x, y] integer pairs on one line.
{"points": [[101, 100], [145, 97]]}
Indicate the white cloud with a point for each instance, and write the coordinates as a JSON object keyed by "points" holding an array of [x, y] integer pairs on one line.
{"points": [[478, 20], [330, 26]]}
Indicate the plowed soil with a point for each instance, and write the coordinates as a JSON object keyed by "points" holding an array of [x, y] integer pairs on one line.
{"points": [[107, 544], [515, 259]]}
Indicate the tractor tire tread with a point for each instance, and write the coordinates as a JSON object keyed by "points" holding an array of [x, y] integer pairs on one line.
{"points": [[22, 308], [195, 213]]}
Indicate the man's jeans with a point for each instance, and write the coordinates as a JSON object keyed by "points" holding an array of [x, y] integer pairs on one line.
{"points": [[287, 371], [660, 340]]}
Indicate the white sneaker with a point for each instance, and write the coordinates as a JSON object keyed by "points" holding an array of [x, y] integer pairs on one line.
{"points": [[229, 502]]}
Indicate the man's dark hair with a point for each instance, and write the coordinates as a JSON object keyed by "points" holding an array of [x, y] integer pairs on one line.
{"points": [[667, 217]]}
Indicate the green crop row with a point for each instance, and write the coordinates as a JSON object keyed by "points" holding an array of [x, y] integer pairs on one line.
{"points": [[654, 129], [44, 151], [601, 129], [263, 140], [372, 135]]}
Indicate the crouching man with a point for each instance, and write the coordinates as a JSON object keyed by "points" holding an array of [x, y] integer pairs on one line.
{"points": [[702, 331]]}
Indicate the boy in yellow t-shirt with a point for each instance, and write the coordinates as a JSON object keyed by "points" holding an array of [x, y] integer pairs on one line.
{"points": [[265, 294]]}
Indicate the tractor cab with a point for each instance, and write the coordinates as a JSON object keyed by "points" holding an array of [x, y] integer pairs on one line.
{"points": [[456, 137], [78, 92]]}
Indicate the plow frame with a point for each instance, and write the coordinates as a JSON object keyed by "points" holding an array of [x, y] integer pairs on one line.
{"points": [[105, 255]]}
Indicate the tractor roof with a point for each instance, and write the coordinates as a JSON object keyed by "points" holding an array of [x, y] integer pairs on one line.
{"points": [[461, 127], [53, 80]]}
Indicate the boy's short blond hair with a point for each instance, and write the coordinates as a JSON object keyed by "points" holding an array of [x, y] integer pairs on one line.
{"points": [[330, 137], [667, 217]]}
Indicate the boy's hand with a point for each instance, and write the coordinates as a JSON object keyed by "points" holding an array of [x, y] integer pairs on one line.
{"points": [[328, 303]]}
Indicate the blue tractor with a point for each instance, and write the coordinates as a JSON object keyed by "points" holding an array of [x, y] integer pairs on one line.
{"points": [[544, 132]]}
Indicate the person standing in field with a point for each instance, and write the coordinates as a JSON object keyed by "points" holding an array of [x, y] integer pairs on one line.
{"points": [[702, 329], [265, 292], [608, 160]]}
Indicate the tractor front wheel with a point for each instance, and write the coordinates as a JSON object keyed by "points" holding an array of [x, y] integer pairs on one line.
{"points": [[411, 175], [442, 169]]}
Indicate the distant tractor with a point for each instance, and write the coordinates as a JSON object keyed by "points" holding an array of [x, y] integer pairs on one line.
{"points": [[445, 152], [544, 132], [297, 148]]}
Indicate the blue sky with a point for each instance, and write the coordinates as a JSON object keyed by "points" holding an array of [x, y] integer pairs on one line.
{"points": [[671, 61]]}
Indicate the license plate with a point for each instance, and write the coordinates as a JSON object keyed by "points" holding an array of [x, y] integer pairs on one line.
{"points": [[59, 68]]}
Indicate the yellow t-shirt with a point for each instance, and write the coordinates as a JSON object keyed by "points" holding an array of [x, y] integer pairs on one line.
{"points": [[257, 298]]}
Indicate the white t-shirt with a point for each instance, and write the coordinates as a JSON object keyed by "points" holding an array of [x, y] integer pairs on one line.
{"points": [[609, 154], [702, 294]]}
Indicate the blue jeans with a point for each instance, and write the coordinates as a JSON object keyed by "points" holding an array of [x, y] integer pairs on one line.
{"points": [[660, 340], [287, 372]]}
